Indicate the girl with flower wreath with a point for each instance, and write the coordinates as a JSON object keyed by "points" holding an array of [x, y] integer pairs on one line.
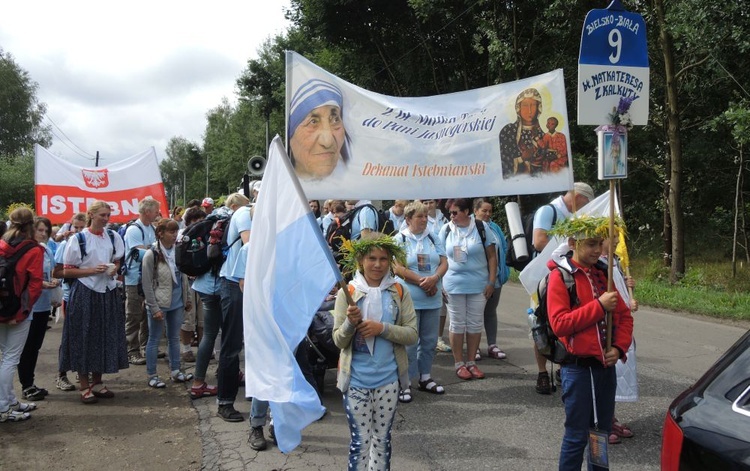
{"points": [[373, 322]]}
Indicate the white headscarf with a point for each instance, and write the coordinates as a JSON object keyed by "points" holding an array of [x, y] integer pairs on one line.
{"points": [[372, 305]]}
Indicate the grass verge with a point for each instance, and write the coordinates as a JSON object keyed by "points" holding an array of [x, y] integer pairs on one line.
{"points": [[707, 288]]}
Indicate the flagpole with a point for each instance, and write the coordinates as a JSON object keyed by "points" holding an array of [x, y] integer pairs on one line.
{"points": [[611, 263]]}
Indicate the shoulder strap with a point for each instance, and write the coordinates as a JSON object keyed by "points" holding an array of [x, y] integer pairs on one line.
{"points": [[399, 290], [22, 249], [112, 239], [81, 244], [554, 213], [480, 230], [570, 284]]}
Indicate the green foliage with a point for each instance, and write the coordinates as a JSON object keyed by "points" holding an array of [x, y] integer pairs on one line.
{"points": [[428, 47], [707, 288], [16, 179], [21, 113]]}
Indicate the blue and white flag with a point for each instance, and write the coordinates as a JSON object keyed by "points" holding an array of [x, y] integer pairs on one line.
{"points": [[289, 272]]}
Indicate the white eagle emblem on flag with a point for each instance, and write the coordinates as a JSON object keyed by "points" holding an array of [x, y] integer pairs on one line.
{"points": [[95, 178]]}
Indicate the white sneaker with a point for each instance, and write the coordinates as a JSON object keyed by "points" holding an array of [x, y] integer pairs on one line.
{"points": [[442, 346]]}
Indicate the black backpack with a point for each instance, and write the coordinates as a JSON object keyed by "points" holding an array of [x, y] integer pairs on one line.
{"points": [[544, 337], [134, 254], [528, 233], [199, 249], [341, 229], [10, 301]]}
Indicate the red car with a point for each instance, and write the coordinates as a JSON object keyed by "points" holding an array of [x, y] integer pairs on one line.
{"points": [[708, 426]]}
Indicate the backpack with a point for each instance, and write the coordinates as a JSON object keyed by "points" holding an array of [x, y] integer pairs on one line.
{"points": [[133, 255], [10, 301], [528, 233], [544, 337], [199, 249], [341, 229]]}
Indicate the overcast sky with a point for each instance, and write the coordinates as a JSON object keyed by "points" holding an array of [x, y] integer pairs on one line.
{"points": [[119, 78]]}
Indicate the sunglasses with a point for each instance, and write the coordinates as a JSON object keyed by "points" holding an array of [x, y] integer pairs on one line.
{"points": [[453, 213]]}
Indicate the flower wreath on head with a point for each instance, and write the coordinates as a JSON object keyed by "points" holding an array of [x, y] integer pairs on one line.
{"points": [[586, 227], [353, 250]]}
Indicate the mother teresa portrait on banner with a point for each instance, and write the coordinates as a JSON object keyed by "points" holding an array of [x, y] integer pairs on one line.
{"points": [[318, 142]]}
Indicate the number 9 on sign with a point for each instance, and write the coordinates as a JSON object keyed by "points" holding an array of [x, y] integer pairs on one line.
{"points": [[615, 40]]}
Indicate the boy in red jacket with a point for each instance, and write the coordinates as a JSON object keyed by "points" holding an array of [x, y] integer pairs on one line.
{"points": [[582, 329]]}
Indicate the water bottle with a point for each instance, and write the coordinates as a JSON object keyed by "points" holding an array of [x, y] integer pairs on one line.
{"points": [[531, 318], [194, 246]]}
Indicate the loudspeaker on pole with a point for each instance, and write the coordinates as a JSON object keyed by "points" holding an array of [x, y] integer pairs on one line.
{"points": [[256, 166]]}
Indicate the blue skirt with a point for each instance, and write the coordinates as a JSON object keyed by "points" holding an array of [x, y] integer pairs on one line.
{"points": [[93, 338]]}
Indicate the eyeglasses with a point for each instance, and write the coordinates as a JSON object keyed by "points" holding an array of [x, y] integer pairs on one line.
{"points": [[453, 213]]}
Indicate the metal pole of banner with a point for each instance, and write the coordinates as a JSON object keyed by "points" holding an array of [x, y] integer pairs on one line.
{"points": [[96, 164], [184, 201]]}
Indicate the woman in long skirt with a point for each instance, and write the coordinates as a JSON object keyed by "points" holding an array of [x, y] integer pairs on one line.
{"points": [[94, 332]]}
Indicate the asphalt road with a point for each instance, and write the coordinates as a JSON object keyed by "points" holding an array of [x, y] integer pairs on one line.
{"points": [[498, 423]]}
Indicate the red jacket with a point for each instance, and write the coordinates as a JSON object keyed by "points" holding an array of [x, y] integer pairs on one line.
{"points": [[29, 268], [577, 327]]}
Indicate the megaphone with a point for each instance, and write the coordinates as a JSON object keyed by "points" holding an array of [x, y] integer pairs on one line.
{"points": [[256, 166]]}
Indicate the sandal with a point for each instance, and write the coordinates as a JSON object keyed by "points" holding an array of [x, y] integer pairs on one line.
{"points": [[181, 377], [430, 386], [621, 430], [87, 396], [23, 406], [614, 439], [204, 390], [11, 415], [101, 392], [156, 383], [405, 396], [493, 351], [477, 356]]}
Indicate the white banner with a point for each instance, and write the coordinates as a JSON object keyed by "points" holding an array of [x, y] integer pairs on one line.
{"points": [[64, 189], [349, 143]]}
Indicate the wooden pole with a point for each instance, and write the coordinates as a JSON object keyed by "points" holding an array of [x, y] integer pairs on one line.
{"points": [[611, 264]]}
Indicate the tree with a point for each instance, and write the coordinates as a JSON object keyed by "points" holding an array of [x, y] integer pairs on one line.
{"points": [[178, 170], [21, 113]]}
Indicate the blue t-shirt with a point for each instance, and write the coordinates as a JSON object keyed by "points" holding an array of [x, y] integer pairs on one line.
{"points": [[134, 236], [238, 271], [544, 215], [468, 274], [60, 260], [425, 262], [380, 368], [239, 223], [207, 283], [177, 301], [43, 303], [366, 218]]}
